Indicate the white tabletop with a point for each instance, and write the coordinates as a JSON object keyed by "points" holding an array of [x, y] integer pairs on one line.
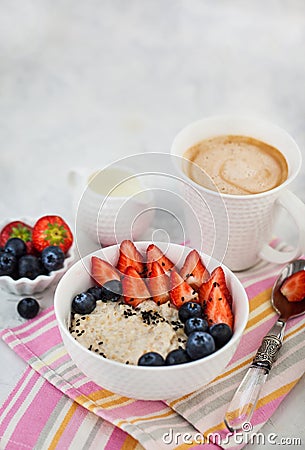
{"points": [[85, 83]]}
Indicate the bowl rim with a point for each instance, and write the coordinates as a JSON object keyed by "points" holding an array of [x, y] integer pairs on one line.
{"points": [[132, 367], [70, 254]]}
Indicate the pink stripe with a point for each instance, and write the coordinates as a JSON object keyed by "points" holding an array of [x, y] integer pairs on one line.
{"points": [[33, 422], [11, 396], [50, 339], [116, 440], [39, 321], [260, 286], [75, 422], [22, 396]]}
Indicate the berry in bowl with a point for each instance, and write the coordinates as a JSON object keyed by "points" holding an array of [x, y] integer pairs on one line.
{"points": [[34, 254], [150, 321]]}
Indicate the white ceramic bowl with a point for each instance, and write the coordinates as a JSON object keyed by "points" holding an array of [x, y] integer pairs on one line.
{"points": [[147, 383], [25, 286]]}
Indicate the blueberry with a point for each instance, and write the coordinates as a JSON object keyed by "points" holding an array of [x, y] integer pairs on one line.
{"points": [[195, 324], [28, 308], [16, 246], [221, 333], [96, 291], [29, 266], [8, 263], [199, 344], [190, 309], [112, 290], [151, 359], [52, 258], [178, 356], [83, 303]]}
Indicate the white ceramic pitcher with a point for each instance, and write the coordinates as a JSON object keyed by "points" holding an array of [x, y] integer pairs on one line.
{"points": [[111, 204]]}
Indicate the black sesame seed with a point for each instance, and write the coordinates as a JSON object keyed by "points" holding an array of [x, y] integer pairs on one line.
{"points": [[96, 350], [90, 347], [127, 362], [101, 343], [182, 298], [163, 264]]}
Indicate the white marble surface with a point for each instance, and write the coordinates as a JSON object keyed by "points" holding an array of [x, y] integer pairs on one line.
{"points": [[86, 83]]}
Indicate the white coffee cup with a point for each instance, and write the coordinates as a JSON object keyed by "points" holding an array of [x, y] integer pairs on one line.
{"points": [[250, 218]]}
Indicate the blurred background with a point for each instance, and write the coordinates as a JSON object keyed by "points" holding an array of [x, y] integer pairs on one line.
{"points": [[85, 83]]}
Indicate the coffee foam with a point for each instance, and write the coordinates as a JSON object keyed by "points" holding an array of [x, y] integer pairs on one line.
{"points": [[237, 165]]}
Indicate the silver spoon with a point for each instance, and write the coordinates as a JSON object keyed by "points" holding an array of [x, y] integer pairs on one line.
{"points": [[245, 398]]}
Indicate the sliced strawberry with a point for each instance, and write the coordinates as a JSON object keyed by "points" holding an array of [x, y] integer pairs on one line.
{"points": [[153, 253], [17, 229], [130, 256], [158, 283], [52, 230], [217, 278], [134, 288], [102, 271], [180, 291], [217, 308], [294, 287], [193, 270]]}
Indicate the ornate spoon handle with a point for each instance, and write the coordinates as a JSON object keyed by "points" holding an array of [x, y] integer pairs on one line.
{"points": [[245, 398]]}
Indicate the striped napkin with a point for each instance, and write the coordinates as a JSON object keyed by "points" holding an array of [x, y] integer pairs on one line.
{"points": [[55, 406]]}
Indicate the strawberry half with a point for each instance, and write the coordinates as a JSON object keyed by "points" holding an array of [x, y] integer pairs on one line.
{"points": [[193, 270], [158, 283], [134, 288], [17, 229], [153, 253], [294, 287], [217, 308], [52, 230], [180, 291], [217, 278], [130, 256], [102, 271]]}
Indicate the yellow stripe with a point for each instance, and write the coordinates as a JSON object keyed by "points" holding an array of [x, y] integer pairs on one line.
{"points": [[260, 316], [116, 402], [98, 395], [63, 425], [129, 444], [259, 299], [186, 446], [142, 419], [291, 333]]}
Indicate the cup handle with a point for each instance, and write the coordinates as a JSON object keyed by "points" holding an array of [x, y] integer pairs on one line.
{"points": [[296, 208]]}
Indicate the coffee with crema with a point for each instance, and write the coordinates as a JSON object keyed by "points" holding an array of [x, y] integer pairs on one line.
{"points": [[238, 165]]}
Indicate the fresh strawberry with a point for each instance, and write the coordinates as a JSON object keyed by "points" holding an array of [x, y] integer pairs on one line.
{"points": [[193, 270], [158, 283], [102, 271], [52, 230], [134, 288], [17, 229], [180, 291], [217, 308], [130, 256], [294, 287], [153, 253], [217, 278]]}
